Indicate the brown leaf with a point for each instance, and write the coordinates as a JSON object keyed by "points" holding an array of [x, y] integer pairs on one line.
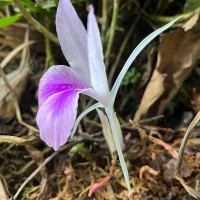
{"points": [[191, 22], [17, 80], [177, 55], [15, 139], [3, 191], [14, 35]]}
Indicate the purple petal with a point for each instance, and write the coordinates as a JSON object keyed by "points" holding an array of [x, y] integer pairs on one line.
{"points": [[57, 79], [73, 38], [96, 63], [56, 118], [59, 90]]}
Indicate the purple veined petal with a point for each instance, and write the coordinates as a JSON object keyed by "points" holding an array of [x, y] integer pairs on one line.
{"points": [[73, 37], [95, 57], [57, 79], [59, 90], [56, 118]]}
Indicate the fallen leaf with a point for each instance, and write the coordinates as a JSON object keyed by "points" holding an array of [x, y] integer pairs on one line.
{"points": [[16, 140], [17, 79], [178, 53], [191, 22], [14, 35], [3, 189]]}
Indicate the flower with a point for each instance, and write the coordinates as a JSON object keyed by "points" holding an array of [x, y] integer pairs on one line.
{"points": [[60, 86]]}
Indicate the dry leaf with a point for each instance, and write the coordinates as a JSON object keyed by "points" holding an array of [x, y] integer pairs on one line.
{"points": [[14, 35], [191, 22], [17, 79], [177, 55], [3, 192], [16, 140]]}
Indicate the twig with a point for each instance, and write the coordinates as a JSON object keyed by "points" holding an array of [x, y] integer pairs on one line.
{"points": [[155, 140], [18, 112], [35, 23], [149, 169], [42, 165], [14, 52], [191, 191], [112, 31], [155, 118], [184, 16], [25, 168], [38, 157], [16, 140], [102, 182]]}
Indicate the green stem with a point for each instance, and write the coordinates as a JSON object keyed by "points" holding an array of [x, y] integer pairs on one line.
{"points": [[35, 23], [49, 57], [184, 16], [124, 43], [112, 31], [104, 20]]}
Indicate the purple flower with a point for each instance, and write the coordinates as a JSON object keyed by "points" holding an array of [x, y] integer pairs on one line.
{"points": [[61, 85]]}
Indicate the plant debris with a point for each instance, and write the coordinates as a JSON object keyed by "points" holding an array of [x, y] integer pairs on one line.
{"points": [[162, 91]]}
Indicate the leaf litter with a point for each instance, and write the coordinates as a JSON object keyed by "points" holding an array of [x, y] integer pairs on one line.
{"points": [[150, 151], [178, 54]]}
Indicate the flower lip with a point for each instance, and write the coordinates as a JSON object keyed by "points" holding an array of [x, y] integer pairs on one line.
{"points": [[66, 87], [58, 95]]}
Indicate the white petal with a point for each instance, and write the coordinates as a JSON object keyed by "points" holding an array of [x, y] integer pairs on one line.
{"points": [[107, 131], [95, 57], [73, 37]]}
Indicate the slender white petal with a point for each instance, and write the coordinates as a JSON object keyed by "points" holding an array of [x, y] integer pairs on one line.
{"points": [[107, 131], [95, 57], [73, 37], [118, 131], [110, 114], [134, 54], [80, 117]]}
